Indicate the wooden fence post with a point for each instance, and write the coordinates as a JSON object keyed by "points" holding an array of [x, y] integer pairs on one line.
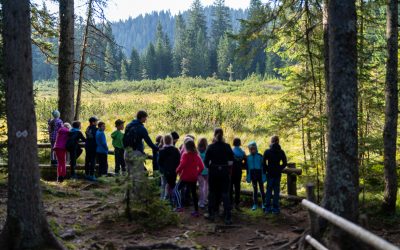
{"points": [[314, 225], [291, 181]]}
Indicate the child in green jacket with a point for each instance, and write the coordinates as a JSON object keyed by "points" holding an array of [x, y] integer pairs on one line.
{"points": [[117, 141]]}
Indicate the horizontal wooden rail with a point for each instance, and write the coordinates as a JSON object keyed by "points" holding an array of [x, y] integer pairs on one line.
{"points": [[314, 243], [351, 228]]}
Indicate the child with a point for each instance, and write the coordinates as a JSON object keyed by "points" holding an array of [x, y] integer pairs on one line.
{"points": [[90, 146], [189, 170], [102, 149], [117, 141], [75, 137], [53, 126], [275, 161], [203, 178], [255, 173], [239, 163], [175, 137], [159, 145], [168, 160], [61, 151]]}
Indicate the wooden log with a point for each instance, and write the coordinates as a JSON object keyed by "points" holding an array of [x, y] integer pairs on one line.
{"points": [[283, 196], [292, 180], [289, 170]]}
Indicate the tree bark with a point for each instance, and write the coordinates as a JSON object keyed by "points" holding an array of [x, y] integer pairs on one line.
{"points": [[341, 182], [391, 109], [82, 64], [66, 61], [26, 226]]}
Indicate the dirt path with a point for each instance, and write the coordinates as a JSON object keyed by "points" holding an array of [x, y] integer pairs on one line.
{"points": [[91, 216]]}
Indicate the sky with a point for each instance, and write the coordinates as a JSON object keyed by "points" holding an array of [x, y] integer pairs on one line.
{"points": [[123, 9]]}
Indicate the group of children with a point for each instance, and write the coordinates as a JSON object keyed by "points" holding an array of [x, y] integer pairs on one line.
{"points": [[67, 138], [187, 163]]}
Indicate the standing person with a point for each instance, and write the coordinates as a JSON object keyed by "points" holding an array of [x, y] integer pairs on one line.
{"points": [[159, 144], [218, 160], [102, 149], [53, 126], [90, 147], [274, 161], [203, 178], [135, 133], [61, 151], [239, 163], [175, 137], [168, 160], [256, 174], [117, 142], [75, 137], [189, 170]]}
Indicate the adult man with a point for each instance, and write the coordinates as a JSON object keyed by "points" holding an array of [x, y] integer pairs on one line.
{"points": [[274, 161], [135, 133]]}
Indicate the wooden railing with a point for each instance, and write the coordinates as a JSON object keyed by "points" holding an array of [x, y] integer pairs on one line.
{"points": [[352, 229]]}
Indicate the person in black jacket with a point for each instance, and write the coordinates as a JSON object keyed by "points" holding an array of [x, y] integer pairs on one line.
{"points": [[274, 161], [75, 137], [219, 159], [90, 147], [168, 161], [135, 133]]}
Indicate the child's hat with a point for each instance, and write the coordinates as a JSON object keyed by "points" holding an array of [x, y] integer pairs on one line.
{"points": [[252, 144], [93, 119], [175, 135], [55, 114], [119, 122]]}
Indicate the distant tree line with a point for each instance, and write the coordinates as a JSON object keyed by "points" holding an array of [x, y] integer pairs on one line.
{"points": [[200, 43]]}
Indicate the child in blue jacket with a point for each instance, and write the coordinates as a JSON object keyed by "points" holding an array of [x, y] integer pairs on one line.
{"points": [[256, 174], [239, 164], [102, 149]]}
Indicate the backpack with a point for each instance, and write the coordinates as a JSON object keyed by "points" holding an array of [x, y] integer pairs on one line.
{"points": [[71, 142], [130, 138]]}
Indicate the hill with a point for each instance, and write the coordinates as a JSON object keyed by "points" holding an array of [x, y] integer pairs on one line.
{"points": [[140, 31]]}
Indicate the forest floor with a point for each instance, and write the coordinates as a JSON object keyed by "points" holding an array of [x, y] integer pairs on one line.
{"points": [[91, 216]]}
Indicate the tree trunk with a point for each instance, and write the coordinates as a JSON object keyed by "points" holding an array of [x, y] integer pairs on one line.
{"points": [[341, 182], [66, 61], [83, 61], [26, 226], [391, 110]]}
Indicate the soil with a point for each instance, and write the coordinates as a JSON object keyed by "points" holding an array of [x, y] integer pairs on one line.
{"points": [[91, 216]]}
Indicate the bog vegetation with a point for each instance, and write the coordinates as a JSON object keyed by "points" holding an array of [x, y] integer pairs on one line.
{"points": [[252, 109]]}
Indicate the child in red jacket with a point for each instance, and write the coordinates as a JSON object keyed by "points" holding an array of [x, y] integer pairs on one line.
{"points": [[189, 170]]}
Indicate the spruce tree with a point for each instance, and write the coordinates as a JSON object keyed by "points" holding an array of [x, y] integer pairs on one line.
{"points": [[225, 56], [220, 24], [181, 48], [197, 35], [150, 63], [134, 66]]}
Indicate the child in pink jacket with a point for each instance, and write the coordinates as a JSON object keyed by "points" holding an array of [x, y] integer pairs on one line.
{"points": [[61, 151], [189, 170]]}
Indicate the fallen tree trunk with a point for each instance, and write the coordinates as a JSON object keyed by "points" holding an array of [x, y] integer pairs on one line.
{"points": [[283, 196]]}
